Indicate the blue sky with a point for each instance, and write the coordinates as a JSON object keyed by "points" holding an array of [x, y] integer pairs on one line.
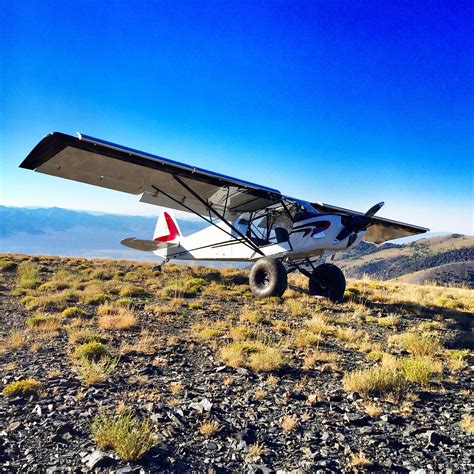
{"points": [[343, 102]]}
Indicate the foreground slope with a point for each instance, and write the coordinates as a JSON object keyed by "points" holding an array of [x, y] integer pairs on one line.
{"points": [[186, 371]]}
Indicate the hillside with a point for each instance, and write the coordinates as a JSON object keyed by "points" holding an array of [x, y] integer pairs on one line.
{"points": [[390, 261], [108, 365], [457, 274], [64, 232]]}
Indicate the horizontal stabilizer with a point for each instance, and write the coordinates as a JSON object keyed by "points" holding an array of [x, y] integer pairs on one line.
{"points": [[146, 245]]}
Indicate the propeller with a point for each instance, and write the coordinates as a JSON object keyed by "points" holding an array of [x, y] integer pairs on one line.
{"points": [[355, 223]]}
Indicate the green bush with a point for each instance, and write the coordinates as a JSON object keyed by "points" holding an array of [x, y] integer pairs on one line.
{"points": [[23, 388], [7, 265], [73, 312], [28, 275], [39, 320], [129, 437], [93, 350], [131, 290], [97, 299]]}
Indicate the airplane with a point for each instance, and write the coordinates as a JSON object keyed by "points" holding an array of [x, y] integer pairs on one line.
{"points": [[247, 222]]}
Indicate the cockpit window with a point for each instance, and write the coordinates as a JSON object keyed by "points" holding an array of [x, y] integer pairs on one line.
{"points": [[305, 211]]}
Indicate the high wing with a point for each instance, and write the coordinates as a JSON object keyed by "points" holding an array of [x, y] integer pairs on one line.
{"points": [[380, 229], [158, 180]]}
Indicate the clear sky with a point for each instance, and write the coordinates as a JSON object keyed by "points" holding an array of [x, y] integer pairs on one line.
{"points": [[344, 102]]}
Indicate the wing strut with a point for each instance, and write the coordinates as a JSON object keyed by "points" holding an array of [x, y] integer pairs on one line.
{"points": [[246, 241]]}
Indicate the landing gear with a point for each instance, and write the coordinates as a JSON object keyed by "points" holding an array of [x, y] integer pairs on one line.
{"points": [[329, 281], [268, 278], [159, 267]]}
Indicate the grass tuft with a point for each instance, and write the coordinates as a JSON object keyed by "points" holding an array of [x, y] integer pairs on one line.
{"points": [[23, 388], [128, 436]]}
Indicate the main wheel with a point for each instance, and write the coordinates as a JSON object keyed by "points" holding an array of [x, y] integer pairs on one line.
{"points": [[329, 281], [268, 278]]}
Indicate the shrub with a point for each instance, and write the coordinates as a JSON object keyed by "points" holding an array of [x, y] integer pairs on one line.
{"points": [[456, 358], [419, 370], [124, 302], [241, 333], [93, 350], [418, 344], [117, 318], [375, 381], [255, 356], [73, 312], [28, 275], [318, 324], [81, 336], [467, 424], [131, 290], [305, 338], [96, 371], [252, 316], [42, 322], [208, 331], [23, 388], [208, 428], [289, 423], [97, 299], [7, 265], [129, 437], [187, 288]]}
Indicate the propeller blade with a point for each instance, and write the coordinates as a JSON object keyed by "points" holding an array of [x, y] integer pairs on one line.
{"points": [[374, 209]]}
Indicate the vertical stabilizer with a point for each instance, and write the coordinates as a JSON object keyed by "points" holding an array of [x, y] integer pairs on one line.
{"points": [[167, 229]]}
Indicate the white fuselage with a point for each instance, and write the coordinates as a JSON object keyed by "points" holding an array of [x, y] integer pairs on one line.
{"points": [[306, 239]]}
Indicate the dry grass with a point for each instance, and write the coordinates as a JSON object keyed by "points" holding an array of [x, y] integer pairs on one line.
{"points": [[467, 424], [358, 460], [376, 381], [420, 370], [306, 338], [208, 330], [255, 356], [27, 275], [418, 344], [252, 316], [129, 437], [176, 388], [96, 371], [14, 341], [318, 357], [116, 318], [209, 428], [289, 423], [372, 409], [319, 325], [255, 451]]}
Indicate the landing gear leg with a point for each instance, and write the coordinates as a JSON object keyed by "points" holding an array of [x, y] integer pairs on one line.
{"points": [[158, 268], [329, 281]]}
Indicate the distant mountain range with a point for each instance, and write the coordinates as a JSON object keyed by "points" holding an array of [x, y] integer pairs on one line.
{"points": [[446, 259], [56, 231]]}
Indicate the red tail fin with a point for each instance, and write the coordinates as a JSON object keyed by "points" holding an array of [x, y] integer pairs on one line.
{"points": [[167, 228]]}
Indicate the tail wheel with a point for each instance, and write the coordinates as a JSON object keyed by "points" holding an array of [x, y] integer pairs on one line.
{"points": [[268, 278], [329, 281]]}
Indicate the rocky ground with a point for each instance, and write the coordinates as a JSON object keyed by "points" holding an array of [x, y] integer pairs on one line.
{"points": [[297, 416]]}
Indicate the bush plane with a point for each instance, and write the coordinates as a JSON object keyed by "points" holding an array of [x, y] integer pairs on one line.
{"points": [[247, 222]]}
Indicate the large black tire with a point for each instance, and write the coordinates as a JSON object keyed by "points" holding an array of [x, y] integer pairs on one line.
{"points": [[268, 278], [329, 281]]}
